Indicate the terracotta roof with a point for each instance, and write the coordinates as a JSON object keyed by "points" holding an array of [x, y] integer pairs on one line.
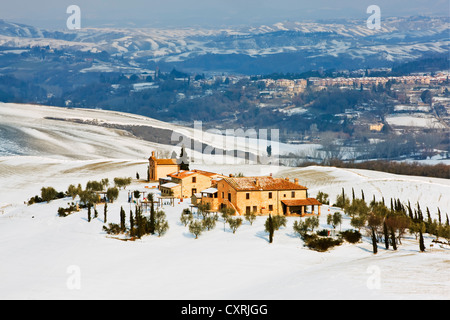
{"points": [[301, 202], [166, 161], [262, 183], [185, 173]]}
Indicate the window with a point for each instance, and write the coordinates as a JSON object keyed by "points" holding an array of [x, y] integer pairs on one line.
{"points": [[255, 209], [270, 207], [270, 195], [292, 194], [194, 191], [247, 209], [247, 196], [229, 197], [223, 196], [194, 179]]}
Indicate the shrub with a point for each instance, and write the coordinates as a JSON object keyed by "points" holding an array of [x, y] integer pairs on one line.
{"points": [[300, 228], [112, 228], [186, 217], [122, 182], [64, 212], [234, 223], [250, 217], [94, 186], [352, 236], [112, 194], [35, 199], [323, 233], [279, 221], [209, 222], [321, 244], [73, 191], [48, 194], [196, 228], [323, 197], [161, 224]]}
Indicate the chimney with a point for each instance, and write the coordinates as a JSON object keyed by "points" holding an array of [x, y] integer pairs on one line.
{"points": [[231, 175], [257, 182], [287, 179], [296, 181], [153, 154]]}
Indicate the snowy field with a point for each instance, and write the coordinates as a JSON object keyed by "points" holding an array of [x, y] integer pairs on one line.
{"points": [[48, 257], [414, 120]]}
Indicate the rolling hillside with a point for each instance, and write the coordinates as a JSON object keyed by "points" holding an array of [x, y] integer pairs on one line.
{"points": [[40, 250]]}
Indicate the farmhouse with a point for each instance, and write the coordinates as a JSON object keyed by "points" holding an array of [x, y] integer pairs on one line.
{"points": [[261, 195], [186, 183]]}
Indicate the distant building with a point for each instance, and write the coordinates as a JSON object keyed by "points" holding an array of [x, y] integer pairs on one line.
{"points": [[376, 127], [159, 168]]}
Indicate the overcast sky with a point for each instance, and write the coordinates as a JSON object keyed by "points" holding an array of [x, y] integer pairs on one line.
{"points": [[185, 13]]}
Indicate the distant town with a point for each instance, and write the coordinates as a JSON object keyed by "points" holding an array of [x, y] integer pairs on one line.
{"points": [[398, 113]]}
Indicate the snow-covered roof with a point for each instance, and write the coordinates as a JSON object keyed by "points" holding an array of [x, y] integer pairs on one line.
{"points": [[210, 190], [169, 185]]}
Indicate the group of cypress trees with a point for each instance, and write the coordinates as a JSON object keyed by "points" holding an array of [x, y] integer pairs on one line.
{"points": [[388, 225], [140, 225]]}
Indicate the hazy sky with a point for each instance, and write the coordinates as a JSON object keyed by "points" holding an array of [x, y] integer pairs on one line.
{"points": [[150, 13]]}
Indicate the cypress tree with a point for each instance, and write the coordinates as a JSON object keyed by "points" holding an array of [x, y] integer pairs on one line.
{"points": [[271, 228], [419, 211], [138, 223], [362, 194], [89, 213], [122, 219], [374, 220], [421, 243], [105, 212], [374, 242], [394, 244], [143, 225], [131, 223], [353, 194], [152, 214], [410, 211], [386, 235]]}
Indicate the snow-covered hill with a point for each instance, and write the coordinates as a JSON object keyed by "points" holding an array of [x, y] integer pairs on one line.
{"points": [[48, 257]]}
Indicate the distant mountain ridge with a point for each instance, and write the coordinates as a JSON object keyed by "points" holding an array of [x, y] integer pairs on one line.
{"points": [[281, 47]]}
